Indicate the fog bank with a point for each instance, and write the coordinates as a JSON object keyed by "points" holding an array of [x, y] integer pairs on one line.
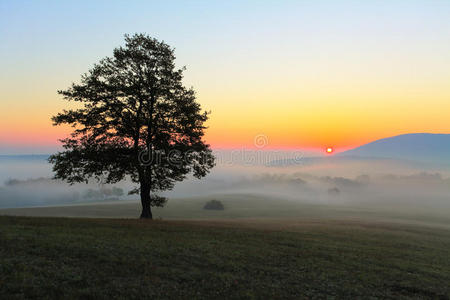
{"points": [[27, 182]]}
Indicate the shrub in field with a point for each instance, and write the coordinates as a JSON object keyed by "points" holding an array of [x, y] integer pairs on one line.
{"points": [[214, 205]]}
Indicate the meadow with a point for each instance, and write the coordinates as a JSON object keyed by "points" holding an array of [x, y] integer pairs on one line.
{"points": [[252, 206], [273, 250]]}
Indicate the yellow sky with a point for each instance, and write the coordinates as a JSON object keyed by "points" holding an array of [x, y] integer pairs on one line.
{"points": [[306, 75]]}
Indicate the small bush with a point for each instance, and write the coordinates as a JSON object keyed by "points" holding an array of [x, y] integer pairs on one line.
{"points": [[214, 205]]}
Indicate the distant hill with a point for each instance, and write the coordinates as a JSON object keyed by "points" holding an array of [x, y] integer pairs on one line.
{"points": [[425, 147]]}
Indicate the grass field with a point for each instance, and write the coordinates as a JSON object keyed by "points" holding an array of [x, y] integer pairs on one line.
{"points": [[244, 206], [240, 258]]}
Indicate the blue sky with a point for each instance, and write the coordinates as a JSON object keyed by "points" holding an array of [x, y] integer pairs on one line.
{"points": [[356, 59]]}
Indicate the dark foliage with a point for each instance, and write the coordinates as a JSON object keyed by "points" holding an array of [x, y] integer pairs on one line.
{"points": [[214, 205], [137, 121]]}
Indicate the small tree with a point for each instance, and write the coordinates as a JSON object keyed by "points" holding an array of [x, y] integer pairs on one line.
{"points": [[214, 205], [137, 121], [117, 191]]}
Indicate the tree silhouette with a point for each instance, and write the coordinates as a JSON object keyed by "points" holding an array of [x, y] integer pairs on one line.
{"points": [[136, 121]]}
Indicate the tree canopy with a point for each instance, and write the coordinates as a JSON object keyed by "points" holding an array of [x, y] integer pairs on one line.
{"points": [[136, 120]]}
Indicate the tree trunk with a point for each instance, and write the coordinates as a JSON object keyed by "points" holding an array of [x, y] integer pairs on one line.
{"points": [[145, 201]]}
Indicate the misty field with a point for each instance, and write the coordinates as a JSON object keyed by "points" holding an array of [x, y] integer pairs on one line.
{"points": [[254, 206], [248, 258]]}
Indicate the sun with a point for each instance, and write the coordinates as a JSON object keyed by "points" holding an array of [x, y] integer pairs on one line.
{"points": [[329, 150]]}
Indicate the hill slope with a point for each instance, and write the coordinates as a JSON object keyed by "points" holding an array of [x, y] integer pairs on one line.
{"points": [[424, 147], [133, 259]]}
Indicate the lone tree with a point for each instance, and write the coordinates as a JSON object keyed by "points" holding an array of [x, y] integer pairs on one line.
{"points": [[137, 121]]}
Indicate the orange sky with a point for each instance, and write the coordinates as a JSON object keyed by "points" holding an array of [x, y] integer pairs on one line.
{"points": [[304, 75]]}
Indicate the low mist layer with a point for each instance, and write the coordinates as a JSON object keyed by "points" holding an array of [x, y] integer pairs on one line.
{"points": [[338, 181]]}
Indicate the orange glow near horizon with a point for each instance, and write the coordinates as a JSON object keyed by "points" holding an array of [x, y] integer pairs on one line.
{"points": [[309, 78], [219, 135]]}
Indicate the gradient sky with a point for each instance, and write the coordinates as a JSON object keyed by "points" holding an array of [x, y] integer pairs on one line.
{"points": [[306, 74]]}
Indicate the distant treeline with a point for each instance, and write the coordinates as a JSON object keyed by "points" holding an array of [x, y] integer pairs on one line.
{"points": [[46, 191]]}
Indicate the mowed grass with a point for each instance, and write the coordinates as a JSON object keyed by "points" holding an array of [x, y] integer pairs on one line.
{"points": [[67, 258]]}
